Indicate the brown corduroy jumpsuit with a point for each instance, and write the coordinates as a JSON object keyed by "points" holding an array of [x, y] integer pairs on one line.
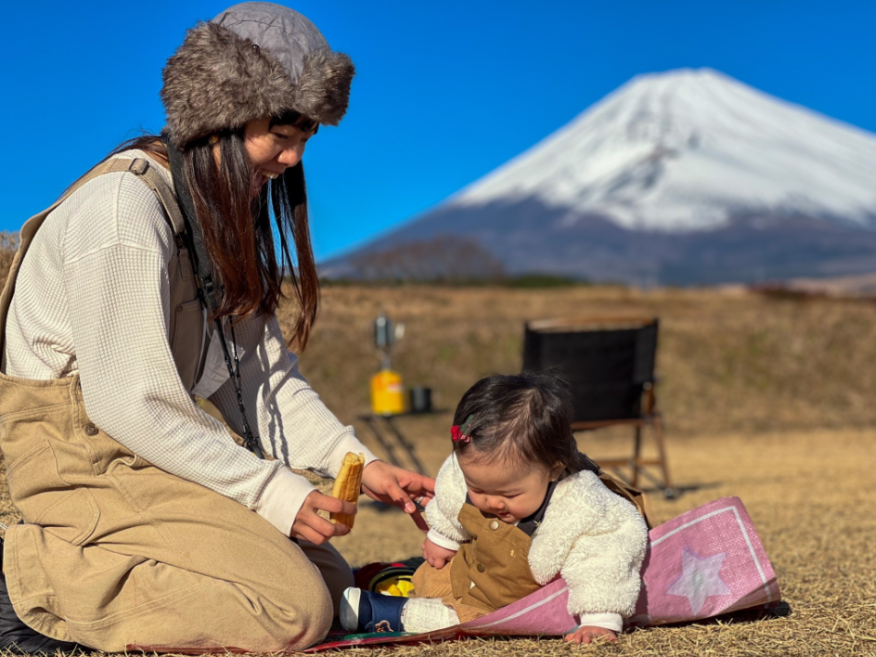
{"points": [[487, 573], [114, 553]]}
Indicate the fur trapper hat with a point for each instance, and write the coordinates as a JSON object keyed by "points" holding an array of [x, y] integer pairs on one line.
{"points": [[253, 60]]}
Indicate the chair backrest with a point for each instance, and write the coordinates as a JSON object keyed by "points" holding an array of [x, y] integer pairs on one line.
{"points": [[607, 362]]}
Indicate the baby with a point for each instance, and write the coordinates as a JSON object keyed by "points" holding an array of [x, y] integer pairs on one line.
{"points": [[515, 506]]}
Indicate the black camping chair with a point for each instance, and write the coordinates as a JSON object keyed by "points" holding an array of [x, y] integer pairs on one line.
{"points": [[609, 364]]}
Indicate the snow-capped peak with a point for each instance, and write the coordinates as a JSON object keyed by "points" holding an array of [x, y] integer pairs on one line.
{"points": [[689, 150]]}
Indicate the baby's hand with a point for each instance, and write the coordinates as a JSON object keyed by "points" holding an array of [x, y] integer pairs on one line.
{"points": [[586, 634], [436, 555]]}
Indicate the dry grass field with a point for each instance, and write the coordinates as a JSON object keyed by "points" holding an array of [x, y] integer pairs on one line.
{"points": [[809, 493], [767, 399]]}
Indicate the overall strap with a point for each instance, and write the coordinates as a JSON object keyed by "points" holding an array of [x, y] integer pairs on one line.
{"points": [[137, 166], [162, 190]]}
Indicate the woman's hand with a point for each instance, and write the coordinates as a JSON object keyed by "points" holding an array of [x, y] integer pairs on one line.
{"points": [[587, 633], [391, 485], [436, 555], [309, 526]]}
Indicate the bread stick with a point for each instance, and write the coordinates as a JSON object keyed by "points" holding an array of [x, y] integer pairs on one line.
{"points": [[348, 485]]}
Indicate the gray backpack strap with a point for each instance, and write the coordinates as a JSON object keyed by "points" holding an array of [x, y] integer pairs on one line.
{"points": [[137, 166]]}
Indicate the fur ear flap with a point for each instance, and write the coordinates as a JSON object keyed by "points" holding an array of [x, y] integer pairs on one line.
{"points": [[323, 89]]}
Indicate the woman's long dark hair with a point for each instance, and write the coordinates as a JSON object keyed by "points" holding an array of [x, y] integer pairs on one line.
{"points": [[238, 231]]}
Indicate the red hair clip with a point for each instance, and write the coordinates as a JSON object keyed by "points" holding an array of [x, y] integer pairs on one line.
{"points": [[459, 434]]}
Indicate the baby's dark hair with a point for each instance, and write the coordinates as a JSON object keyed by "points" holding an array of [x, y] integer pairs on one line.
{"points": [[526, 418]]}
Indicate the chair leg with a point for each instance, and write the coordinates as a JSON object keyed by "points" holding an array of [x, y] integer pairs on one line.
{"points": [[637, 453], [657, 421]]}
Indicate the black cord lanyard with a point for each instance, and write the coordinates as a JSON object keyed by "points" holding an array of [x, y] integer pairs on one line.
{"points": [[194, 239]]}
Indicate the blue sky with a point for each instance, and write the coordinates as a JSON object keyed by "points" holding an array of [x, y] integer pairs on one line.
{"points": [[445, 91]]}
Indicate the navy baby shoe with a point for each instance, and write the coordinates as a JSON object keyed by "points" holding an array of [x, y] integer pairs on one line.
{"points": [[364, 611]]}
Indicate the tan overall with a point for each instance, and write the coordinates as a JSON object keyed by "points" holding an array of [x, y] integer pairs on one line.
{"points": [[115, 553], [492, 570]]}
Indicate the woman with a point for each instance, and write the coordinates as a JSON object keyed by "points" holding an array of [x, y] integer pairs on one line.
{"points": [[144, 525]]}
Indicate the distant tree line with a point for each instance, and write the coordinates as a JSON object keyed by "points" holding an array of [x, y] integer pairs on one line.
{"points": [[441, 259]]}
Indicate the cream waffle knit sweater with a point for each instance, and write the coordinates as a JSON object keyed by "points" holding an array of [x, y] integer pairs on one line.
{"points": [[93, 297]]}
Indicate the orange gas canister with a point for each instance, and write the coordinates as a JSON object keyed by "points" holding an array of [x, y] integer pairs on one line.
{"points": [[387, 393]]}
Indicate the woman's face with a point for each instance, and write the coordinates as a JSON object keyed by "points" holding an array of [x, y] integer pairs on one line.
{"points": [[272, 149]]}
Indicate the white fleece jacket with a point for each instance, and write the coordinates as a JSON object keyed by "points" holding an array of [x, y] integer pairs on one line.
{"points": [[590, 536]]}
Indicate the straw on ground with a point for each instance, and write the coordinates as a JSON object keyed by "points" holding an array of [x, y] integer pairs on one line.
{"points": [[766, 399]]}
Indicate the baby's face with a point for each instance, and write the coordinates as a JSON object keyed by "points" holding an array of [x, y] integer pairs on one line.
{"points": [[509, 491]]}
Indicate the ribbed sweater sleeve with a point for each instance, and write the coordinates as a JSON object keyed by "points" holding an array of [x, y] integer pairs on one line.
{"points": [[292, 422]]}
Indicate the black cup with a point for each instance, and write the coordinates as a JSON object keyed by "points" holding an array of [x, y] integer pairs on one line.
{"points": [[421, 400]]}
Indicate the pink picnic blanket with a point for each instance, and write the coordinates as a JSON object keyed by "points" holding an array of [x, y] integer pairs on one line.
{"points": [[705, 562]]}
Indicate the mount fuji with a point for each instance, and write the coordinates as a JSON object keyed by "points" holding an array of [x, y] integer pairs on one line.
{"points": [[685, 177]]}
